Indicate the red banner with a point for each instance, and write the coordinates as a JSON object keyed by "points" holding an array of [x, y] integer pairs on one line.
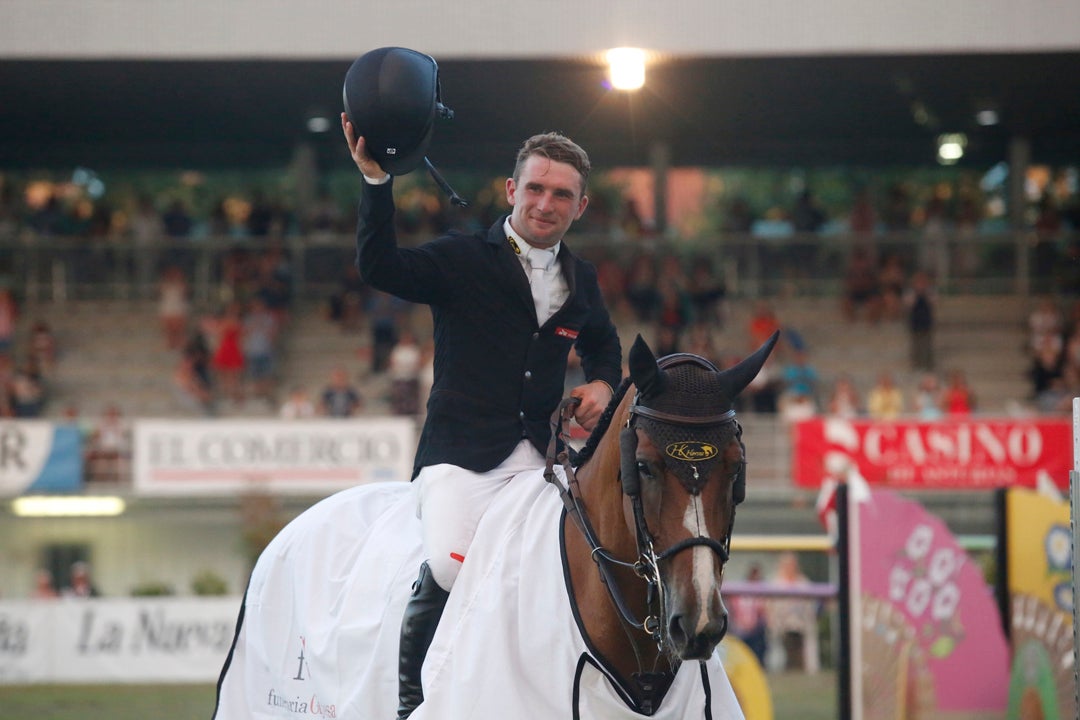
{"points": [[966, 454]]}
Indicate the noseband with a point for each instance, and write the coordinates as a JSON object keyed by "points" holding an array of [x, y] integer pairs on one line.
{"points": [[646, 566]]}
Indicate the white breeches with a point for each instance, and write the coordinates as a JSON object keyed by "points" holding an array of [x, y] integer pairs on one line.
{"points": [[451, 501]]}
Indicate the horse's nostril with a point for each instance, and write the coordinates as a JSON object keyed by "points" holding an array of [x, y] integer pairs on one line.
{"points": [[677, 632], [723, 627]]}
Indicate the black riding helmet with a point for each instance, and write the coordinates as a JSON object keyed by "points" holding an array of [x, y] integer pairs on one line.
{"points": [[392, 98]]}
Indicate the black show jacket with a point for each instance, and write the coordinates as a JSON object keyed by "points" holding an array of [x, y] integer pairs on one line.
{"points": [[498, 374]]}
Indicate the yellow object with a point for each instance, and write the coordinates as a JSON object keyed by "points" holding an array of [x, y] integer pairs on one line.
{"points": [[747, 678]]}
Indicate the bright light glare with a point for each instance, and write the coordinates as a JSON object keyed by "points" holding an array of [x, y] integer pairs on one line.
{"points": [[951, 148], [626, 68], [986, 118], [318, 124], [67, 506]]}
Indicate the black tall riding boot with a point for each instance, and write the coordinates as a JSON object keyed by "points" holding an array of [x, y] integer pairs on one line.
{"points": [[417, 629]]}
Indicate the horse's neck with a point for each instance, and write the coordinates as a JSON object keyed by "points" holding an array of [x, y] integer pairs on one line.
{"points": [[601, 494]]}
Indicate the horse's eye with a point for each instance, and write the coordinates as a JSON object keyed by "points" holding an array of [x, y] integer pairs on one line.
{"points": [[644, 470]]}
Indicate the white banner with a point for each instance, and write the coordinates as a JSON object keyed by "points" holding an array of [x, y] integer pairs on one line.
{"points": [[115, 640], [178, 457]]}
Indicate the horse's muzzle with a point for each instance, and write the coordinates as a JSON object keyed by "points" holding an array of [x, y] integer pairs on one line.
{"points": [[693, 643]]}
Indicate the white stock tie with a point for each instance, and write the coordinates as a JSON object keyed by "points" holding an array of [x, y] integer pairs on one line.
{"points": [[540, 261]]}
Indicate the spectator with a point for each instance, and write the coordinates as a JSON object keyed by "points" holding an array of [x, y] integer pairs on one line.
{"points": [[9, 315], [806, 216], [404, 367], [793, 620], [177, 220], [259, 340], [340, 399], [799, 376], [844, 402], [7, 379], [958, 399], [675, 310], [1047, 230], [863, 217], [1056, 398], [1070, 354], [384, 312], [707, 293], [892, 280], [27, 390], [749, 617], [178, 225], [764, 390], [108, 452], [702, 343], [274, 280], [763, 323], [739, 218], [641, 292], [611, 277], [43, 348], [667, 340], [921, 300], [298, 405], [1047, 364], [896, 215], [347, 304], [885, 401], [1045, 321], [173, 306], [192, 380], [928, 398], [44, 589], [147, 231], [81, 584], [861, 288], [796, 407], [228, 358]]}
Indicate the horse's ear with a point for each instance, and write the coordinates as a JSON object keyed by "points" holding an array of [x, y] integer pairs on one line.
{"points": [[644, 371], [735, 379]]}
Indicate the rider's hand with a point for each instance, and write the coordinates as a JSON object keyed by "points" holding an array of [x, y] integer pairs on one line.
{"points": [[595, 397], [358, 150]]}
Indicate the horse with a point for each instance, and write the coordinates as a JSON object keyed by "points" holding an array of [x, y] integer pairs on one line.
{"points": [[592, 588]]}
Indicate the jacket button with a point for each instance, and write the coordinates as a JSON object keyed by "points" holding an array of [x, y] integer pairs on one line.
{"points": [[536, 335], [528, 374], [521, 415]]}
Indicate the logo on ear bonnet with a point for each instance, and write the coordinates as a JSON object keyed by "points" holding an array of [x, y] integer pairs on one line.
{"points": [[691, 451]]}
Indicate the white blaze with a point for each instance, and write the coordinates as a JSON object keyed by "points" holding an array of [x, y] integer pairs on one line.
{"points": [[694, 522]]}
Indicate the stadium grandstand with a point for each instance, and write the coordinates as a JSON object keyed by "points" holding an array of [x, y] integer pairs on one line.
{"points": [[897, 191]]}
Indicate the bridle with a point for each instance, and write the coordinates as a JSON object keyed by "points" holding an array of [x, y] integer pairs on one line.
{"points": [[647, 564]]}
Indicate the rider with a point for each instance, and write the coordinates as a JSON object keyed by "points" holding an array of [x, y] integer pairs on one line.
{"points": [[501, 347]]}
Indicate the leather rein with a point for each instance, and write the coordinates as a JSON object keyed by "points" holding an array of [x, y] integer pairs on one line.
{"points": [[646, 566]]}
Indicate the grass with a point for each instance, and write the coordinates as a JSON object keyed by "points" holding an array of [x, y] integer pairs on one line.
{"points": [[795, 697], [107, 702]]}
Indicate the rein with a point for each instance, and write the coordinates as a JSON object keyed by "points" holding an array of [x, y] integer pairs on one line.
{"points": [[646, 566], [600, 555]]}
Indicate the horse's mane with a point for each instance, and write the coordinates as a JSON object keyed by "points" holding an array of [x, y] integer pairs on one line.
{"points": [[582, 456]]}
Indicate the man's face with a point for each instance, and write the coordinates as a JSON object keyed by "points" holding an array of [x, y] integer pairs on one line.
{"points": [[546, 199]]}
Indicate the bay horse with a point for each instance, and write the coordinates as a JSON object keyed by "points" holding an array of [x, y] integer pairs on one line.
{"points": [[593, 594]]}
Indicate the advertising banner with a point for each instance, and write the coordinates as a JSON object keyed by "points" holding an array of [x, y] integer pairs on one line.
{"points": [[930, 643], [178, 457], [972, 453], [1040, 557], [37, 456], [115, 640]]}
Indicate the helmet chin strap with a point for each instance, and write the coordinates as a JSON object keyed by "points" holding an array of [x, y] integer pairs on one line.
{"points": [[455, 199]]}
